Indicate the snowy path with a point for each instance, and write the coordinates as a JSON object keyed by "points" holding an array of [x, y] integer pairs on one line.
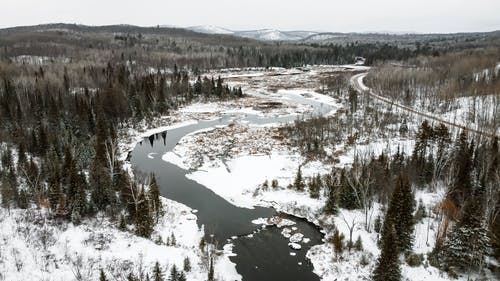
{"points": [[357, 82]]}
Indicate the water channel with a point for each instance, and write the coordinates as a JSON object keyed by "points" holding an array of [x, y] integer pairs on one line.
{"points": [[266, 254]]}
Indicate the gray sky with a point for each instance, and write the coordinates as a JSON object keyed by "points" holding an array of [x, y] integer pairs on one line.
{"points": [[320, 15]]}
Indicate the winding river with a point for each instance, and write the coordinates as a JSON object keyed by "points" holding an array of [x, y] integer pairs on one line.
{"points": [[264, 255]]}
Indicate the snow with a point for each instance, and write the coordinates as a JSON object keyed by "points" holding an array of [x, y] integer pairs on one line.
{"points": [[175, 159], [286, 232], [39, 60], [268, 34], [278, 221], [224, 268], [388, 146], [295, 246], [96, 243], [232, 179], [210, 29], [296, 238]]}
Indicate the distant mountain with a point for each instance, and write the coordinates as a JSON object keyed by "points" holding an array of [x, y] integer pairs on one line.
{"points": [[274, 35], [260, 34], [210, 29]]}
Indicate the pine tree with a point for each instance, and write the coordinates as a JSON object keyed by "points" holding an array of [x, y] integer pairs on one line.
{"points": [[182, 276], [157, 272], [358, 245], [400, 214], [174, 273], [298, 184], [331, 207], [173, 241], [144, 221], [468, 243], [5, 191], [187, 264], [54, 191], [347, 197], [102, 276], [387, 268], [21, 158], [315, 186], [101, 183], [154, 194], [424, 136], [462, 185]]}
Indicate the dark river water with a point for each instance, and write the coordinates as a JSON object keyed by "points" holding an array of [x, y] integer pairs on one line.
{"points": [[264, 256]]}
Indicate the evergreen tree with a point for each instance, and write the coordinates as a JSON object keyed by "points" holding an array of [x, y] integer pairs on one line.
{"points": [[54, 191], [99, 174], [174, 273], [387, 267], [347, 197], [358, 245], [315, 186], [424, 136], [157, 272], [102, 276], [144, 221], [187, 264], [331, 207], [400, 214], [182, 276], [5, 191], [154, 194], [122, 224], [468, 243], [462, 184], [298, 184], [21, 157]]}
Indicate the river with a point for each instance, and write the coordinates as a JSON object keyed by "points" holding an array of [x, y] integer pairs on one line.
{"points": [[265, 255]]}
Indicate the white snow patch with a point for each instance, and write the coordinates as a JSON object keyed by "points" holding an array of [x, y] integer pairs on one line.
{"points": [[295, 246]]}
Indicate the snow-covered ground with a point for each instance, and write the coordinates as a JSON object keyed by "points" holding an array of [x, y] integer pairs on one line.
{"points": [[35, 247]]}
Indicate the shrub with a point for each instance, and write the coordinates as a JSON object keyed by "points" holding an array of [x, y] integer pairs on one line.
{"points": [[414, 260]]}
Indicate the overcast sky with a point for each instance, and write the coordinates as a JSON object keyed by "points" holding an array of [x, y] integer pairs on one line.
{"points": [[320, 15]]}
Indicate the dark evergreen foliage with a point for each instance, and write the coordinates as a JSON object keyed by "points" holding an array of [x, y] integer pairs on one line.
{"points": [[400, 215], [154, 194], [157, 272], [102, 276], [468, 243], [387, 268], [144, 221]]}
